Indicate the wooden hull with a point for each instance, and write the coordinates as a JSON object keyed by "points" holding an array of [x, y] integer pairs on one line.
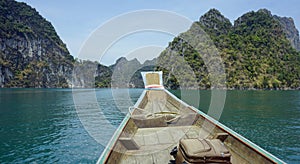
{"points": [[159, 120]]}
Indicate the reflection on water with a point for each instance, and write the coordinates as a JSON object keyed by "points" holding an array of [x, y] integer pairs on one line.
{"points": [[42, 125]]}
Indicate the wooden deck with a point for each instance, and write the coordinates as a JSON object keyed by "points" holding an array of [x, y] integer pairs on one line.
{"points": [[157, 143]]}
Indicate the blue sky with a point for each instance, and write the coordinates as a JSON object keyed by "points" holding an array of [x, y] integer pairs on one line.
{"points": [[75, 20]]}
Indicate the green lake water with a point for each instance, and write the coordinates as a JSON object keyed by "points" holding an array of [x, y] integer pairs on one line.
{"points": [[43, 125]]}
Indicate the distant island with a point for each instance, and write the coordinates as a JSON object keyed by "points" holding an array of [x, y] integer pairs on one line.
{"points": [[259, 51]]}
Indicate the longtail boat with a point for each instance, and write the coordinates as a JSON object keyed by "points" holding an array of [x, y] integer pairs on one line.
{"points": [[160, 128]]}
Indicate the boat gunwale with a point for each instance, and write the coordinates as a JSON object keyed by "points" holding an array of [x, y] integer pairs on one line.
{"points": [[108, 149], [105, 154]]}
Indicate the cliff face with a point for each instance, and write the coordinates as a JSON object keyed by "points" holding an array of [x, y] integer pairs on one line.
{"points": [[290, 30], [123, 74], [127, 73], [286, 23], [89, 74], [215, 23], [31, 52], [258, 51]]}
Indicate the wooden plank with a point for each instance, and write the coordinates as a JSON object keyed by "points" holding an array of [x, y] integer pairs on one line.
{"points": [[139, 139], [162, 157], [164, 136], [151, 139], [127, 159], [144, 159], [177, 133]]}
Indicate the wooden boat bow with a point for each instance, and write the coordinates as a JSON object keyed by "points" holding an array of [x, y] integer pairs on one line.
{"points": [[159, 121]]}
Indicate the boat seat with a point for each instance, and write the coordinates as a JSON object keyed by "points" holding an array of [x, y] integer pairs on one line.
{"points": [[144, 119], [221, 136], [141, 121], [129, 143], [185, 119], [202, 151]]}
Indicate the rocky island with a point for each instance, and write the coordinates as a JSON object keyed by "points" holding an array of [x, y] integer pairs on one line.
{"points": [[259, 51]]}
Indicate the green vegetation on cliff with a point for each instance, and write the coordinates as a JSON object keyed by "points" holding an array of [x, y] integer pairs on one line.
{"points": [[259, 52], [32, 54], [255, 51], [17, 18]]}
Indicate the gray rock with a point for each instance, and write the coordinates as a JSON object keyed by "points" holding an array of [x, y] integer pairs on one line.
{"points": [[31, 52], [290, 30], [215, 22]]}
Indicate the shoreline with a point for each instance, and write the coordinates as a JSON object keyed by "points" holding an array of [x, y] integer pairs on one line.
{"points": [[222, 89]]}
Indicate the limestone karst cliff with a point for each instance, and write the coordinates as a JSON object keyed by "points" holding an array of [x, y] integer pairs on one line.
{"points": [[31, 52]]}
